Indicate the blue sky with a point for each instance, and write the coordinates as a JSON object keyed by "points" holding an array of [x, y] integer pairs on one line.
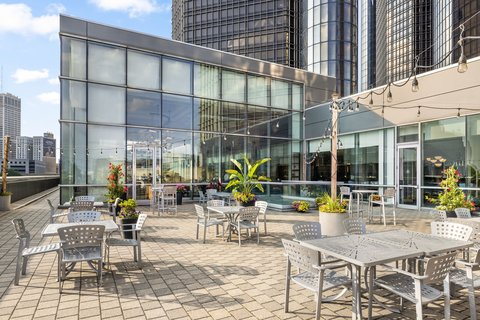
{"points": [[30, 48]]}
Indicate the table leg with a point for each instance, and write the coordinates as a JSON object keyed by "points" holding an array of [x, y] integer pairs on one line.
{"points": [[356, 293]]}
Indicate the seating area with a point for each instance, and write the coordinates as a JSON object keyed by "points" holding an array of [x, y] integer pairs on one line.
{"points": [[177, 275]]}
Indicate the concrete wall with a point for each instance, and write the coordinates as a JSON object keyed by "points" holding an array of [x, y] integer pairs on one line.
{"points": [[23, 187]]}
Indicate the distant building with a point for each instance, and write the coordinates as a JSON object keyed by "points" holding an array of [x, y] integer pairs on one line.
{"points": [[35, 155], [24, 148], [10, 119]]}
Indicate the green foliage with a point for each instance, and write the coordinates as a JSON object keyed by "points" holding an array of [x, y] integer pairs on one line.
{"points": [[328, 204], [301, 205], [452, 196], [128, 209], [322, 199], [242, 183], [13, 173], [115, 187]]}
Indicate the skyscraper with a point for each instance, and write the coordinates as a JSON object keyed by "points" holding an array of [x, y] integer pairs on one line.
{"points": [[268, 30], [10, 117]]}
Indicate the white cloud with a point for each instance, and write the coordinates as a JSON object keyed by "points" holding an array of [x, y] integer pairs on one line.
{"points": [[52, 97], [17, 18], [53, 81], [135, 8], [24, 75]]}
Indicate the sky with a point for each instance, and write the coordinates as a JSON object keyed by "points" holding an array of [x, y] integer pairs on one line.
{"points": [[30, 48]]}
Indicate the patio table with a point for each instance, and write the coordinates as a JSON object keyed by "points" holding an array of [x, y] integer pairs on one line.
{"points": [[96, 204], [52, 228], [227, 196], [229, 212]]}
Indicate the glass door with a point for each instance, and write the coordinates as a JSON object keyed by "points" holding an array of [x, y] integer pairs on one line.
{"points": [[145, 165], [407, 176]]}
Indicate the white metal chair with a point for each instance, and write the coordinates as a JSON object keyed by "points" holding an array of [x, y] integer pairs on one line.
{"points": [[346, 193], [354, 226], [206, 221], [463, 213], [216, 203], [415, 288], [113, 212], [466, 278], [311, 274], [84, 216], [451, 230], [263, 210], [439, 215], [247, 219], [24, 249], [168, 200], [80, 243], [202, 197], [135, 242], [388, 198], [85, 198], [53, 212], [210, 193], [307, 231], [81, 206]]}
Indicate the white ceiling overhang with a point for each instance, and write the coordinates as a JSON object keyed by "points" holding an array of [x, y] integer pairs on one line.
{"points": [[442, 92]]}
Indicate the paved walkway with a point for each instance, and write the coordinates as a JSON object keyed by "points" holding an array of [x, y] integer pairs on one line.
{"points": [[179, 277]]}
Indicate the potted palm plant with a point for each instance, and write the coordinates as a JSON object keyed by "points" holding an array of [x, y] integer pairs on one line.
{"points": [[332, 212], [244, 182], [128, 217]]}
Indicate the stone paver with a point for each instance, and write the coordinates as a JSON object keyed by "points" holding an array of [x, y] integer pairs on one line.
{"points": [[179, 277]]}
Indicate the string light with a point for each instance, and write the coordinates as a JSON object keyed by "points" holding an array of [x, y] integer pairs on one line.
{"points": [[371, 99], [389, 94], [418, 112], [458, 113]]}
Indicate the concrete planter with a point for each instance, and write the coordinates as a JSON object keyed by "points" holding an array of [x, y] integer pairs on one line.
{"points": [[332, 223], [5, 202]]}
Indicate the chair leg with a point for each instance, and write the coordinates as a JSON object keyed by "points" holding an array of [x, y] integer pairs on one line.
{"points": [[239, 236], [446, 294], [265, 222], [100, 273], [394, 217], [471, 294], [319, 295], [258, 235], [287, 285], [418, 297], [383, 213], [139, 251], [24, 265], [204, 231], [17, 269]]}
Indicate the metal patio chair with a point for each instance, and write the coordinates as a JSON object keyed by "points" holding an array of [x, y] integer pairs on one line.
{"points": [[346, 194], [81, 206], [439, 215], [167, 201], [354, 226], [210, 193], [24, 249], [388, 198], [206, 221], [85, 198], [202, 197], [416, 288], [263, 211], [451, 230], [84, 216], [135, 242], [80, 243], [307, 231], [247, 219], [463, 213], [53, 212], [311, 275]]}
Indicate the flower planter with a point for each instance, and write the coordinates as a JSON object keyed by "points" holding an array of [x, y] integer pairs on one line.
{"points": [[5, 202], [332, 223], [246, 204], [125, 229], [179, 198]]}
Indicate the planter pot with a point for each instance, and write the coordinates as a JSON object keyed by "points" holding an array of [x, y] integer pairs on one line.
{"points": [[246, 204], [179, 198], [332, 223], [125, 229], [451, 214], [5, 202]]}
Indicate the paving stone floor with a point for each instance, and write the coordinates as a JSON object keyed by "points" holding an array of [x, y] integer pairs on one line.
{"points": [[179, 277]]}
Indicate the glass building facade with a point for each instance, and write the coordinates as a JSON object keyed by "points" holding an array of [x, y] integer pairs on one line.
{"points": [[264, 29], [169, 118]]}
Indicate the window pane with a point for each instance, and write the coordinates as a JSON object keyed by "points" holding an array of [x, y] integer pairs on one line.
{"points": [[280, 96], [73, 141], [233, 86], [473, 152], [207, 157], [106, 145], [280, 164], [106, 104], [74, 100], [176, 76], [144, 108], [297, 97], [206, 115], [106, 64], [206, 81], [233, 117], [74, 58], [177, 112], [143, 70], [258, 90], [177, 159]]}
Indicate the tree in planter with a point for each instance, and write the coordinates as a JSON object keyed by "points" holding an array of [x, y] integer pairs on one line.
{"points": [[452, 196], [5, 196], [115, 187]]}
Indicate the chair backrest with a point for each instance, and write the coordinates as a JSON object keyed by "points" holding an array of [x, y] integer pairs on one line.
{"points": [[140, 221], [301, 257], [169, 191], [389, 193], [439, 215], [463, 213], [262, 205], [248, 213], [52, 210], [354, 226], [437, 268], [200, 212], [81, 205], [451, 230], [307, 230], [83, 216], [201, 194], [85, 198], [20, 230], [345, 191], [210, 192], [78, 236], [215, 203]]}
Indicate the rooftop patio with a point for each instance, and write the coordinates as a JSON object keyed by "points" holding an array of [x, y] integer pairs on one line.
{"points": [[179, 277]]}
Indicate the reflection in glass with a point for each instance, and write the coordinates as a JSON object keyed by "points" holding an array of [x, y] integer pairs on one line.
{"points": [[280, 94], [143, 70], [74, 100], [177, 157], [144, 108], [206, 115], [106, 104], [233, 86], [73, 152], [176, 76], [206, 81], [106, 63], [206, 157], [258, 90], [177, 112], [73, 58], [233, 117], [280, 151]]}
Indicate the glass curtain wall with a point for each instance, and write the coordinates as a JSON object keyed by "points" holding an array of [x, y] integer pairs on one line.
{"points": [[128, 109]]}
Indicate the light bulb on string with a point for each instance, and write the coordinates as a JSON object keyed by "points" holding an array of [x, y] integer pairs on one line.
{"points": [[357, 107], [278, 124], [116, 151], [371, 99], [458, 113], [389, 94], [418, 112], [101, 151]]}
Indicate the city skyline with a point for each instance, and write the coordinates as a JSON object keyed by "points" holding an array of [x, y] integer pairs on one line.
{"points": [[29, 62]]}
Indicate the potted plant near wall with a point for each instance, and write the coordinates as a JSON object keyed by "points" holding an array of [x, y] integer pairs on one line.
{"points": [[5, 196], [301, 206], [451, 196], [128, 217], [180, 190], [115, 187], [332, 212], [244, 182]]}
